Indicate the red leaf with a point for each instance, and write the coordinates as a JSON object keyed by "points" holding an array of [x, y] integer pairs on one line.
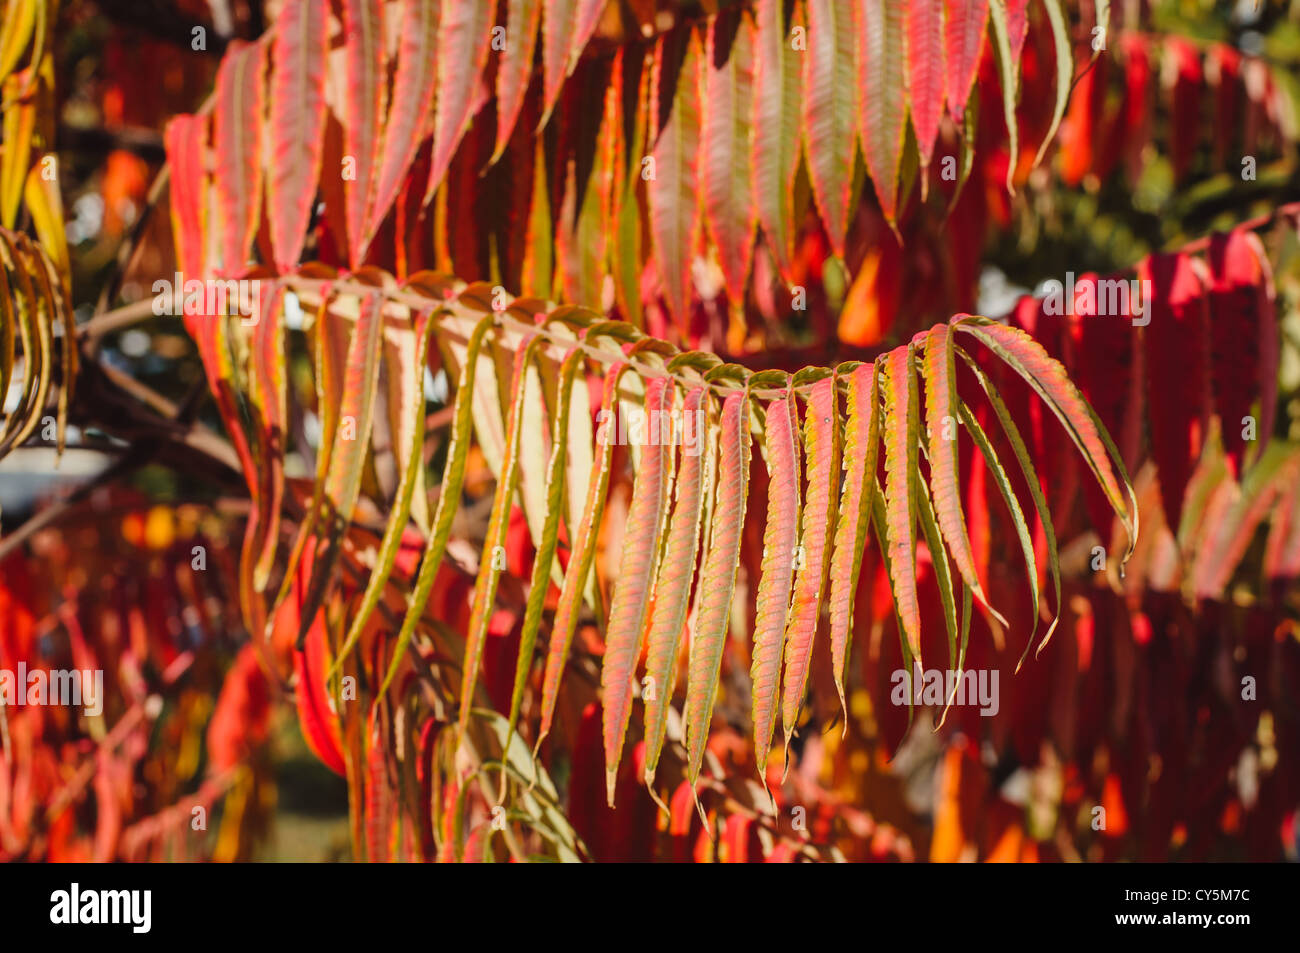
{"points": [[776, 130], [925, 72], [828, 115], [1108, 370], [464, 40], [186, 137], [780, 536], [674, 190], [718, 577], [898, 392], [821, 437], [964, 22], [861, 448], [1244, 339], [320, 725], [363, 29], [635, 581], [882, 104], [297, 124], [1178, 385], [239, 721], [1183, 73], [676, 575], [237, 135], [413, 88], [515, 66], [725, 160], [558, 27], [1137, 102], [1223, 70], [1017, 26]]}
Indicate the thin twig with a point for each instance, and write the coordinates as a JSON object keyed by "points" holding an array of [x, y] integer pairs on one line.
{"points": [[109, 321], [130, 249], [43, 518]]}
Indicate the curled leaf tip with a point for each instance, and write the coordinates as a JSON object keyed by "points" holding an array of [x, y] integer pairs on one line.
{"points": [[1047, 638], [611, 781], [704, 818], [762, 777], [654, 795], [943, 716]]}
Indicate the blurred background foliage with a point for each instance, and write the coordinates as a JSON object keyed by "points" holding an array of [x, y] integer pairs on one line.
{"points": [[125, 66]]}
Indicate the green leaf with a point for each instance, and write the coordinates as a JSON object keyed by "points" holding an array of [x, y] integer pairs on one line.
{"points": [[453, 477], [1007, 72], [1031, 478], [1049, 379], [777, 130], [1013, 505], [582, 553], [349, 451], [489, 572], [267, 390], [401, 510], [554, 503], [1064, 70], [942, 571]]}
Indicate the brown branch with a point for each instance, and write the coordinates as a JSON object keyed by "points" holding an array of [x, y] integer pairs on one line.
{"points": [[129, 250]]}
